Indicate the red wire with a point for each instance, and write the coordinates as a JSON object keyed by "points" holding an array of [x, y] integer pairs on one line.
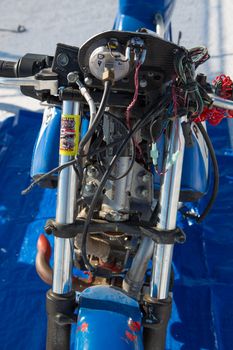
{"points": [[175, 106], [132, 104], [135, 97]]}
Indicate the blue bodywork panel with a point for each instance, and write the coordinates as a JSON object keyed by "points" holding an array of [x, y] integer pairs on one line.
{"points": [[194, 181], [135, 14], [108, 319], [46, 150]]}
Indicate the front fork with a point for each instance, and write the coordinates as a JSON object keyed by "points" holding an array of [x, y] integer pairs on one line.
{"points": [[158, 302], [168, 205], [61, 299]]}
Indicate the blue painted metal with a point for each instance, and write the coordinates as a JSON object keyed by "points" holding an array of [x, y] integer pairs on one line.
{"points": [[135, 14], [46, 150], [84, 126], [195, 174], [107, 319]]}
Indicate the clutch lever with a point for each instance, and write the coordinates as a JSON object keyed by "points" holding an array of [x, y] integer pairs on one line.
{"points": [[47, 83]]}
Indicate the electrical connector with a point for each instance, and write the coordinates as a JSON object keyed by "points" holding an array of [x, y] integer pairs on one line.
{"points": [[173, 159], [154, 154]]}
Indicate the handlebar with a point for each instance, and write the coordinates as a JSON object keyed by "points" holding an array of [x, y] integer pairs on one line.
{"points": [[221, 102], [8, 69], [31, 64], [27, 66]]}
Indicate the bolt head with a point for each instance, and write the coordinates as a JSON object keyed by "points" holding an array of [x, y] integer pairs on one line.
{"points": [[92, 172], [145, 193], [143, 83], [88, 81], [72, 77], [146, 178]]}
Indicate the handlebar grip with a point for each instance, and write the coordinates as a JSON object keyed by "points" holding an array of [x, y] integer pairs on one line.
{"points": [[8, 69]]}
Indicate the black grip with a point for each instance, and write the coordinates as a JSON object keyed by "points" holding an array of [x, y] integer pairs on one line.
{"points": [[8, 69]]}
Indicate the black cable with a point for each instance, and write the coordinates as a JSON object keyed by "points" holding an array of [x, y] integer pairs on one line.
{"points": [[216, 173], [133, 156], [184, 70], [50, 173], [85, 139], [161, 128], [99, 115], [138, 125]]}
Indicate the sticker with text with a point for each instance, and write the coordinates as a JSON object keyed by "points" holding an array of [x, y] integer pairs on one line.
{"points": [[69, 135]]}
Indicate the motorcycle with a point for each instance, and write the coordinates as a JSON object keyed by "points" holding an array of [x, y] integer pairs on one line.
{"points": [[123, 171]]}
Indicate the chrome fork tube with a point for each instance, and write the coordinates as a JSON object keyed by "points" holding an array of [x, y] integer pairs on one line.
{"points": [[169, 198], [134, 278], [66, 203]]}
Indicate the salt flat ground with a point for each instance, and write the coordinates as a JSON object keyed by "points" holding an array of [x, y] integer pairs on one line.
{"points": [[202, 22]]}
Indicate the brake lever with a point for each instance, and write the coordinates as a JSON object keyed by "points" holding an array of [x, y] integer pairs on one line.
{"points": [[47, 84]]}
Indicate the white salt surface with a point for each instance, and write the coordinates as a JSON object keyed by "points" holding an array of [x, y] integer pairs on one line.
{"points": [[202, 22]]}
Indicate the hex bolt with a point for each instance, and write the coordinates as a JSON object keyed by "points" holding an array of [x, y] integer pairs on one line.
{"points": [[92, 172], [145, 193], [72, 77], [150, 74], [146, 178], [143, 83], [88, 81]]}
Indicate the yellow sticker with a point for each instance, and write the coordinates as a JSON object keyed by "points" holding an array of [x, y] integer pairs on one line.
{"points": [[69, 134]]}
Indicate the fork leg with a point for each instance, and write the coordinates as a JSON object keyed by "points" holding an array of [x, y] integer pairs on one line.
{"points": [[61, 299], [159, 302]]}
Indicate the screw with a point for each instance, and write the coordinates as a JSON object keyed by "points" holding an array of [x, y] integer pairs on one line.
{"points": [[146, 178], [150, 74], [145, 193], [143, 83], [92, 172], [88, 80], [72, 77]]}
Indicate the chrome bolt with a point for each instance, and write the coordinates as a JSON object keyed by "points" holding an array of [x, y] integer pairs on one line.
{"points": [[92, 172], [150, 74], [88, 81], [143, 83], [72, 77], [145, 193], [146, 178]]}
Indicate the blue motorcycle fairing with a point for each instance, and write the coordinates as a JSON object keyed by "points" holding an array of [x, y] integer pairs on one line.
{"points": [[108, 319], [195, 174], [45, 155], [135, 14]]}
